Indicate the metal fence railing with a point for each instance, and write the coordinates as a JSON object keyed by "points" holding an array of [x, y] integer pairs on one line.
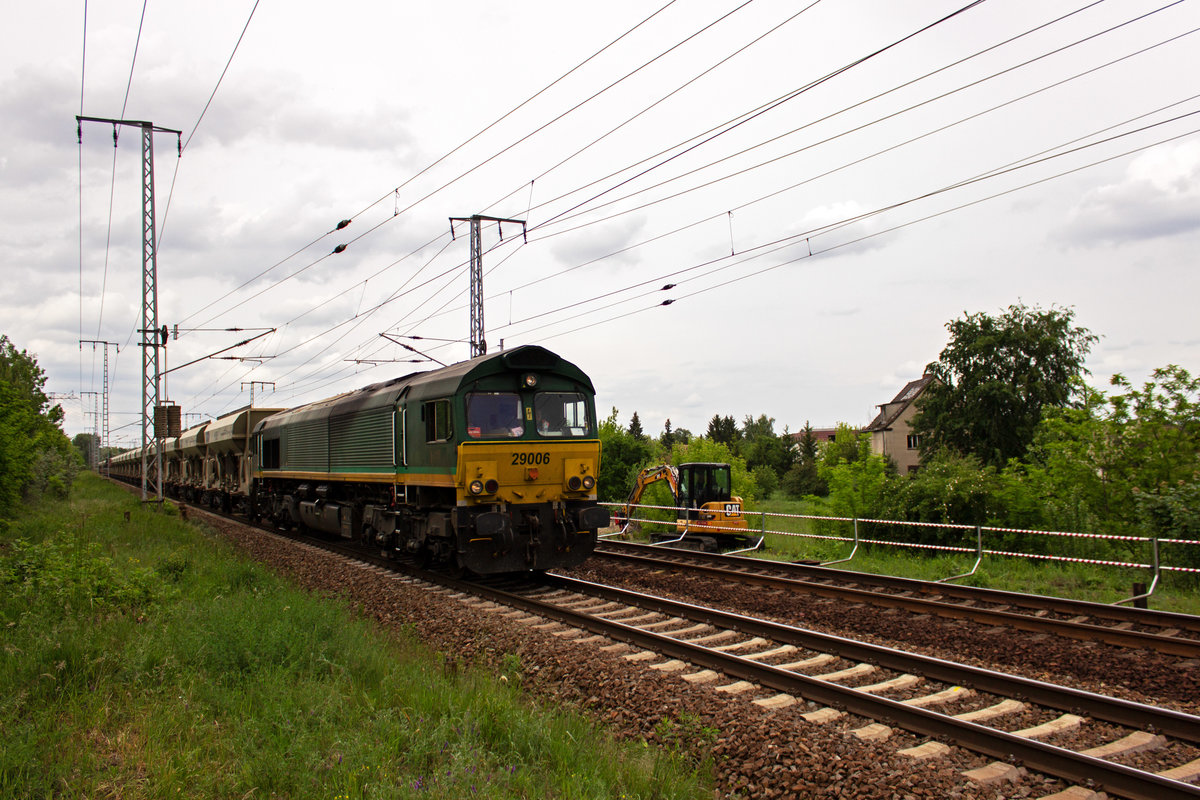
{"points": [[978, 533]]}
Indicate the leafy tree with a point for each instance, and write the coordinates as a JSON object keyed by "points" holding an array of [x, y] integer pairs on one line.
{"points": [[83, 444], [724, 430], [949, 488], [995, 379], [845, 447], [856, 477], [765, 481], [36, 457], [18, 422], [1120, 464], [703, 449], [761, 447], [802, 479], [622, 454]]}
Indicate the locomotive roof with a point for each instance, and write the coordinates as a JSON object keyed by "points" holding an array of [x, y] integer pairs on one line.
{"points": [[433, 383]]}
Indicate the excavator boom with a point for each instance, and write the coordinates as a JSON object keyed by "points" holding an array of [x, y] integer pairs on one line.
{"points": [[706, 509]]}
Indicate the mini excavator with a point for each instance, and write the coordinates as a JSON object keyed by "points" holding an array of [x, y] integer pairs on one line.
{"points": [[708, 516]]}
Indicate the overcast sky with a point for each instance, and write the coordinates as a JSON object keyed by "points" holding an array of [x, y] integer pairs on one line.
{"points": [[826, 185]]}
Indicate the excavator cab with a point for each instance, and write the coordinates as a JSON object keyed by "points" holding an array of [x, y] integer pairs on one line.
{"points": [[709, 515], [701, 484]]}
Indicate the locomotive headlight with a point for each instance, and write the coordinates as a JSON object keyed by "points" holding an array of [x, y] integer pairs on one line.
{"points": [[476, 487], [588, 482], [491, 486], [573, 483], [530, 380]]}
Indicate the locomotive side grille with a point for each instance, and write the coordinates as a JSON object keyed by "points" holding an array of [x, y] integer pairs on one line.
{"points": [[308, 446], [362, 440]]}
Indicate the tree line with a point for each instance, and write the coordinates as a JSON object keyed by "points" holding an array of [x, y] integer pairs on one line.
{"points": [[1010, 432], [761, 459], [36, 457]]}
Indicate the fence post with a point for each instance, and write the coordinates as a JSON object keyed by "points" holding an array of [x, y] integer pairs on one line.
{"points": [[1139, 600], [978, 557], [852, 552]]}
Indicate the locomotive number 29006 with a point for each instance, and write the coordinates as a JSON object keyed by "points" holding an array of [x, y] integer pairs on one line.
{"points": [[530, 459]]}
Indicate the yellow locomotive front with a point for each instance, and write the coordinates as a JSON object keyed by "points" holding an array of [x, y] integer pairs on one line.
{"points": [[526, 477]]}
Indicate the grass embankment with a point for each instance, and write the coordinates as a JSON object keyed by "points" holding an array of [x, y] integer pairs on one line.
{"points": [[142, 658], [1098, 583]]}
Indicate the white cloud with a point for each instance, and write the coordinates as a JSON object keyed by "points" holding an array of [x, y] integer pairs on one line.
{"points": [[321, 115], [1159, 197]]}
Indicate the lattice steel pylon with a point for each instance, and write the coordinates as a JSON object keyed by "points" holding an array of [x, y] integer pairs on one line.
{"points": [[150, 343], [150, 331], [478, 342], [104, 395]]}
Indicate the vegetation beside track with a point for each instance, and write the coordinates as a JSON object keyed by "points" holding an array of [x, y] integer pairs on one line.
{"points": [[1097, 583], [142, 658]]}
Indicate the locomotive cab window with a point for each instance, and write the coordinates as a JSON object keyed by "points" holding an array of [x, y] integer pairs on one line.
{"points": [[269, 450], [494, 415], [437, 421], [561, 414]]}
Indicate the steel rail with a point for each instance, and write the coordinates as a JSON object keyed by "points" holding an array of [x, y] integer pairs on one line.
{"points": [[1169, 645], [740, 565], [1060, 762], [1140, 616], [1110, 709]]}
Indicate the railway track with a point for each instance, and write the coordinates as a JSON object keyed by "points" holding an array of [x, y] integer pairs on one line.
{"points": [[1163, 632], [776, 666], [784, 665], [926, 705]]}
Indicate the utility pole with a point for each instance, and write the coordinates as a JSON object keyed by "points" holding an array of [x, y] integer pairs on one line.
{"points": [[478, 343], [95, 415], [104, 413], [264, 384], [150, 329], [250, 420]]}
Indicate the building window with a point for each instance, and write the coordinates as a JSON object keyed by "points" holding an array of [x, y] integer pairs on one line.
{"points": [[914, 441]]}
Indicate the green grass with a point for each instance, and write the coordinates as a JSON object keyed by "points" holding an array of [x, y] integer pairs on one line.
{"points": [[143, 658]]}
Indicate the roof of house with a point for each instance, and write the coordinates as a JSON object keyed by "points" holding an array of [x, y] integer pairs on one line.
{"points": [[888, 412], [820, 434]]}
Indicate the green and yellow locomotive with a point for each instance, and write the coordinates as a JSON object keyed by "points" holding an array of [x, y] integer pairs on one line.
{"points": [[489, 464]]}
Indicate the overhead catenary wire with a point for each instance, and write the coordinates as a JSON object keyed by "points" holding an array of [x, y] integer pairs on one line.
{"points": [[723, 212], [757, 252], [592, 97], [821, 80], [774, 160], [473, 137], [830, 227], [862, 159], [769, 108], [175, 174]]}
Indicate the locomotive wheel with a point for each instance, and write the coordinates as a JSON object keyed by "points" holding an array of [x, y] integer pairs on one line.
{"points": [[455, 568]]}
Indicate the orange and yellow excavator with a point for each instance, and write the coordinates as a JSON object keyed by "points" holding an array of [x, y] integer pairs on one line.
{"points": [[708, 516]]}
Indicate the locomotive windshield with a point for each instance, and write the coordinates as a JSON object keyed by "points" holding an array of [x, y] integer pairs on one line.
{"points": [[494, 415], [561, 414]]}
